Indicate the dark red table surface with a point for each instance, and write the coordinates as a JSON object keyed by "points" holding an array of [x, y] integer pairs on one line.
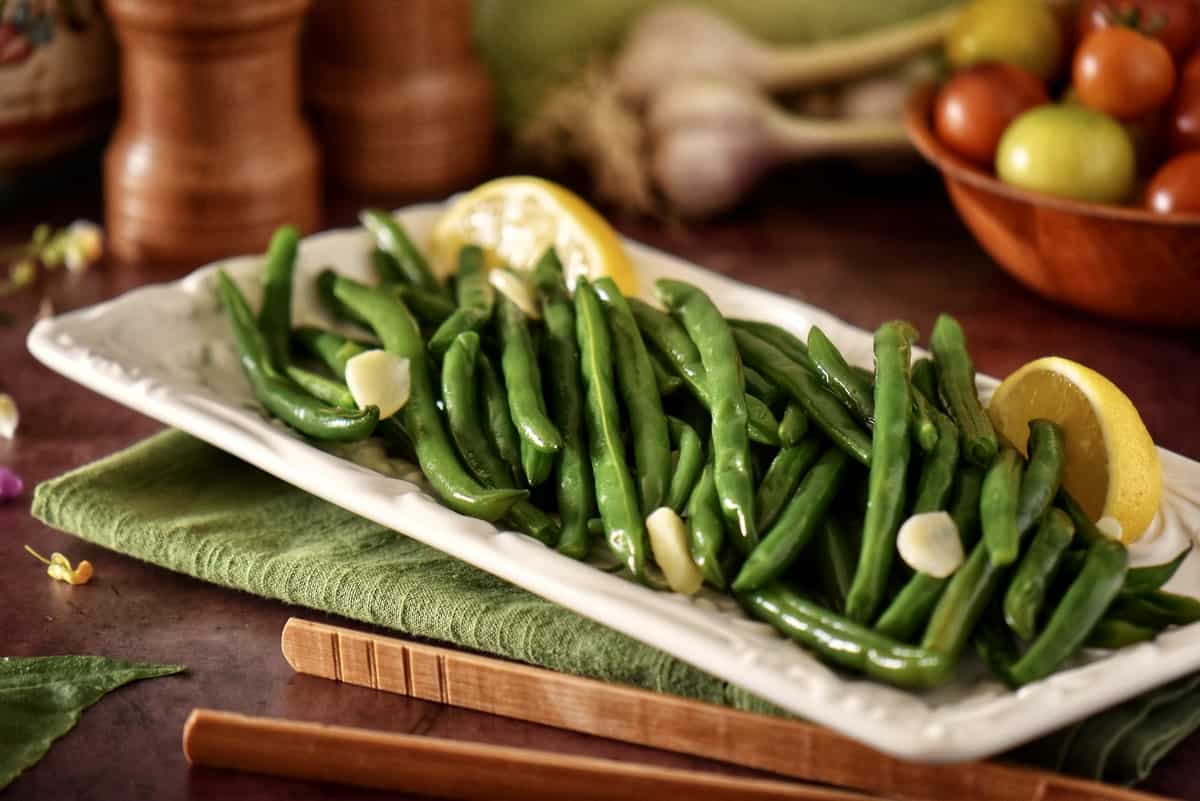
{"points": [[865, 249]]}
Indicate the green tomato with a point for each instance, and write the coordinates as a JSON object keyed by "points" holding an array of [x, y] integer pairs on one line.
{"points": [[1024, 33], [1069, 151]]}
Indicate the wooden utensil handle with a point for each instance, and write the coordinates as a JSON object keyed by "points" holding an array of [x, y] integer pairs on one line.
{"points": [[453, 769], [780, 745]]}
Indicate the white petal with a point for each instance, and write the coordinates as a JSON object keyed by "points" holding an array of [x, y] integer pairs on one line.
{"points": [[929, 543], [9, 416], [669, 544], [517, 290], [378, 378]]}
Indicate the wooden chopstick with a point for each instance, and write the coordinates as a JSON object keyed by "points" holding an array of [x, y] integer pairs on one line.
{"points": [[779, 745], [454, 769]]}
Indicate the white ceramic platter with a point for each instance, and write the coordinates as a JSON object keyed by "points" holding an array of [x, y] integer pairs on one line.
{"points": [[167, 352]]}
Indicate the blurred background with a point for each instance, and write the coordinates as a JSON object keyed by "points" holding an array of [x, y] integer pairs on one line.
{"points": [[189, 133]]}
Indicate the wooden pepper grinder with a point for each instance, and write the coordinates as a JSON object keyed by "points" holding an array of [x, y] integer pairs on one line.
{"points": [[211, 152], [400, 102]]}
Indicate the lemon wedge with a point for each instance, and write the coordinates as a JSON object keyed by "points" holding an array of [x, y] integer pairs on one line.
{"points": [[1112, 467], [515, 219]]}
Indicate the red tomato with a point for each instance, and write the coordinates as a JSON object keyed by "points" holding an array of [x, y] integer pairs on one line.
{"points": [[1175, 188], [1122, 72], [1175, 23], [1183, 129], [975, 106]]}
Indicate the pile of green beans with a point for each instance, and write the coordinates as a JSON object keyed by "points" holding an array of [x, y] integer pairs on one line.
{"points": [[792, 468]]}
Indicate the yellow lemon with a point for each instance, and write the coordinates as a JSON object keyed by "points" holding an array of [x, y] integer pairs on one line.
{"points": [[515, 219], [1112, 467]]}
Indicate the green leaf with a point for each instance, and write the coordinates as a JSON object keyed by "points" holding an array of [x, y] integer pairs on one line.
{"points": [[42, 697]]}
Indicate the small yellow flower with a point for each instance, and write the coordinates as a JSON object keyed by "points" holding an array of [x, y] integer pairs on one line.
{"points": [[59, 568]]}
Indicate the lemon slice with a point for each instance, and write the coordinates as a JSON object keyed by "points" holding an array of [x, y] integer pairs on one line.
{"points": [[515, 219], [1112, 467]]}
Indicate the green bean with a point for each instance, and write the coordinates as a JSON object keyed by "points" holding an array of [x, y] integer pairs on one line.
{"points": [[639, 390], [804, 388], [333, 349], [1026, 592], [280, 396], [1113, 634], [338, 310], [387, 269], [835, 555], [793, 426], [495, 407], [912, 607], [924, 430], [462, 413], [995, 646], [461, 400], [971, 588], [779, 338], [1157, 609], [1085, 529], [435, 451], [956, 385], [845, 384], [732, 471], [666, 379], [574, 484], [890, 449], [1043, 474], [275, 315], [616, 493], [1084, 604], [540, 438], [687, 466], [784, 475], [998, 507], [671, 340], [323, 389], [924, 378], [430, 308], [760, 386], [391, 239], [846, 643], [475, 296], [1141, 580], [706, 533], [803, 516], [937, 468]]}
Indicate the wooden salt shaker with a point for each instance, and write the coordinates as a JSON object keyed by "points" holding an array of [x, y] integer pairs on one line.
{"points": [[400, 103], [211, 152]]}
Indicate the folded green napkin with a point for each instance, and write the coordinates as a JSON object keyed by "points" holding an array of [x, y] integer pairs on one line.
{"points": [[178, 503]]}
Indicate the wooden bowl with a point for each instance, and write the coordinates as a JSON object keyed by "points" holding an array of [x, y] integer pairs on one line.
{"points": [[1118, 261]]}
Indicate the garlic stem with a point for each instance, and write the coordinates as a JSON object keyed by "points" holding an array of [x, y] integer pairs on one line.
{"points": [[791, 68], [798, 137]]}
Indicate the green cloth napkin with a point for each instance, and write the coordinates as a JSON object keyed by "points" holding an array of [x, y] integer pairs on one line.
{"points": [[179, 503]]}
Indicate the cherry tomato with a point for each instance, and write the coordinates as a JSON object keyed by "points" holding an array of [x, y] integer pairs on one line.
{"points": [[975, 106], [1175, 188], [1020, 32], [1175, 23], [1069, 151], [1183, 131], [1123, 73]]}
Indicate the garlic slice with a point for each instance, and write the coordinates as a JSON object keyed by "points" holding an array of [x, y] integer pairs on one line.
{"points": [[379, 378], [516, 289], [929, 544], [669, 544]]}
